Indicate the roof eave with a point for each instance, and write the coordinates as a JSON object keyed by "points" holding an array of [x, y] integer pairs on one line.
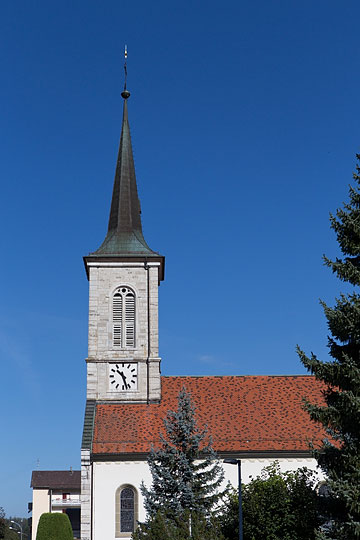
{"points": [[240, 454]]}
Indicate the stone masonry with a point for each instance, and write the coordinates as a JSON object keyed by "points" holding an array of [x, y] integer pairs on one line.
{"points": [[104, 279]]}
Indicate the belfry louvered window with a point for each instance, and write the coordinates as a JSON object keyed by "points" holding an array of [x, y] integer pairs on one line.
{"points": [[123, 318]]}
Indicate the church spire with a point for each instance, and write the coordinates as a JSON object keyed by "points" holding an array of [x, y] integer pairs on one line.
{"points": [[125, 236]]}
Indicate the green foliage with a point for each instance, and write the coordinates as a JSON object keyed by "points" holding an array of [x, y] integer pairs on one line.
{"points": [[2, 522], [276, 506], [205, 529], [12, 534], [8, 530], [157, 527], [229, 516], [339, 456], [186, 473], [186, 478], [54, 526], [160, 527]]}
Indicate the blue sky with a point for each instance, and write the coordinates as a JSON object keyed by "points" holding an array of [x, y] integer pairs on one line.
{"points": [[244, 119]]}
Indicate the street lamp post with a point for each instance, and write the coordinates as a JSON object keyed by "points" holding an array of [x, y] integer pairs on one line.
{"points": [[238, 463], [18, 524]]}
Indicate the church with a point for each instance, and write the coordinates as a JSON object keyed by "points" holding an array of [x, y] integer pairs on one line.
{"points": [[253, 418]]}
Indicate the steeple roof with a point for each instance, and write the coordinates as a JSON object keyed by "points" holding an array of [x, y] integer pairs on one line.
{"points": [[125, 236]]}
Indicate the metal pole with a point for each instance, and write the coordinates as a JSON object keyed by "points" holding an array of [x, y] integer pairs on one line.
{"points": [[233, 461], [240, 503]]}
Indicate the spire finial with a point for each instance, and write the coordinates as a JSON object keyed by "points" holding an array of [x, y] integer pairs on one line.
{"points": [[125, 94]]}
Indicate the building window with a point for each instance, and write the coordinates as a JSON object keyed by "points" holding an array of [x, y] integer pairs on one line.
{"points": [[126, 509], [123, 318]]}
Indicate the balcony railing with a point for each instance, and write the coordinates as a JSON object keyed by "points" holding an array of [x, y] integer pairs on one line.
{"points": [[59, 501]]}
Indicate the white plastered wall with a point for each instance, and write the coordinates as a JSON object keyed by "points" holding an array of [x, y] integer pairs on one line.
{"points": [[108, 476]]}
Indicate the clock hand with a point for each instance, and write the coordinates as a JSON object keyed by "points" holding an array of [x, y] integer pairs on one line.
{"points": [[123, 378]]}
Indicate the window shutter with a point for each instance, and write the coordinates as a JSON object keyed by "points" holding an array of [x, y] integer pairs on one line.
{"points": [[130, 319], [117, 319], [123, 318]]}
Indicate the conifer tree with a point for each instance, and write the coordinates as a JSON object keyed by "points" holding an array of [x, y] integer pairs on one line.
{"points": [[186, 473], [339, 456]]}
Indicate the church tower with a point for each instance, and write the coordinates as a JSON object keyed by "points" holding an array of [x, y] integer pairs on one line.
{"points": [[123, 363]]}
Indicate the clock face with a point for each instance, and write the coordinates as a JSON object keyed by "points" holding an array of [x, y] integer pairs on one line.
{"points": [[123, 376]]}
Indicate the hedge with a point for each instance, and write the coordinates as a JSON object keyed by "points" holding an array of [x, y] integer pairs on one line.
{"points": [[54, 526]]}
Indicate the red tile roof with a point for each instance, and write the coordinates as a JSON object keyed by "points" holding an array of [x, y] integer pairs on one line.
{"points": [[252, 413]]}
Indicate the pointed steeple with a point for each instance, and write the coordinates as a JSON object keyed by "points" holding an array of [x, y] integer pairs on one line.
{"points": [[124, 240], [125, 236]]}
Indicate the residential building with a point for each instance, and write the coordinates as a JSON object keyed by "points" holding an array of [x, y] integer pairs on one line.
{"points": [[56, 491]]}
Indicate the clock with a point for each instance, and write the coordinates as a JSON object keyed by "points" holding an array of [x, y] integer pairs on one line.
{"points": [[123, 376]]}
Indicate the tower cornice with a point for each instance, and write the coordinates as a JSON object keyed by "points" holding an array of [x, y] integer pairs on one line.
{"points": [[125, 260]]}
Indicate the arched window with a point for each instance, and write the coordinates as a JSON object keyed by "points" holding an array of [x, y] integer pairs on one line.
{"points": [[123, 318], [126, 509]]}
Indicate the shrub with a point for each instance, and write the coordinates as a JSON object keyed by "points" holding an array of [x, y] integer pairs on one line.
{"points": [[54, 526], [276, 506]]}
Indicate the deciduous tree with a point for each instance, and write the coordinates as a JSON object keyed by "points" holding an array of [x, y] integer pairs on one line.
{"points": [[276, 505]]}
